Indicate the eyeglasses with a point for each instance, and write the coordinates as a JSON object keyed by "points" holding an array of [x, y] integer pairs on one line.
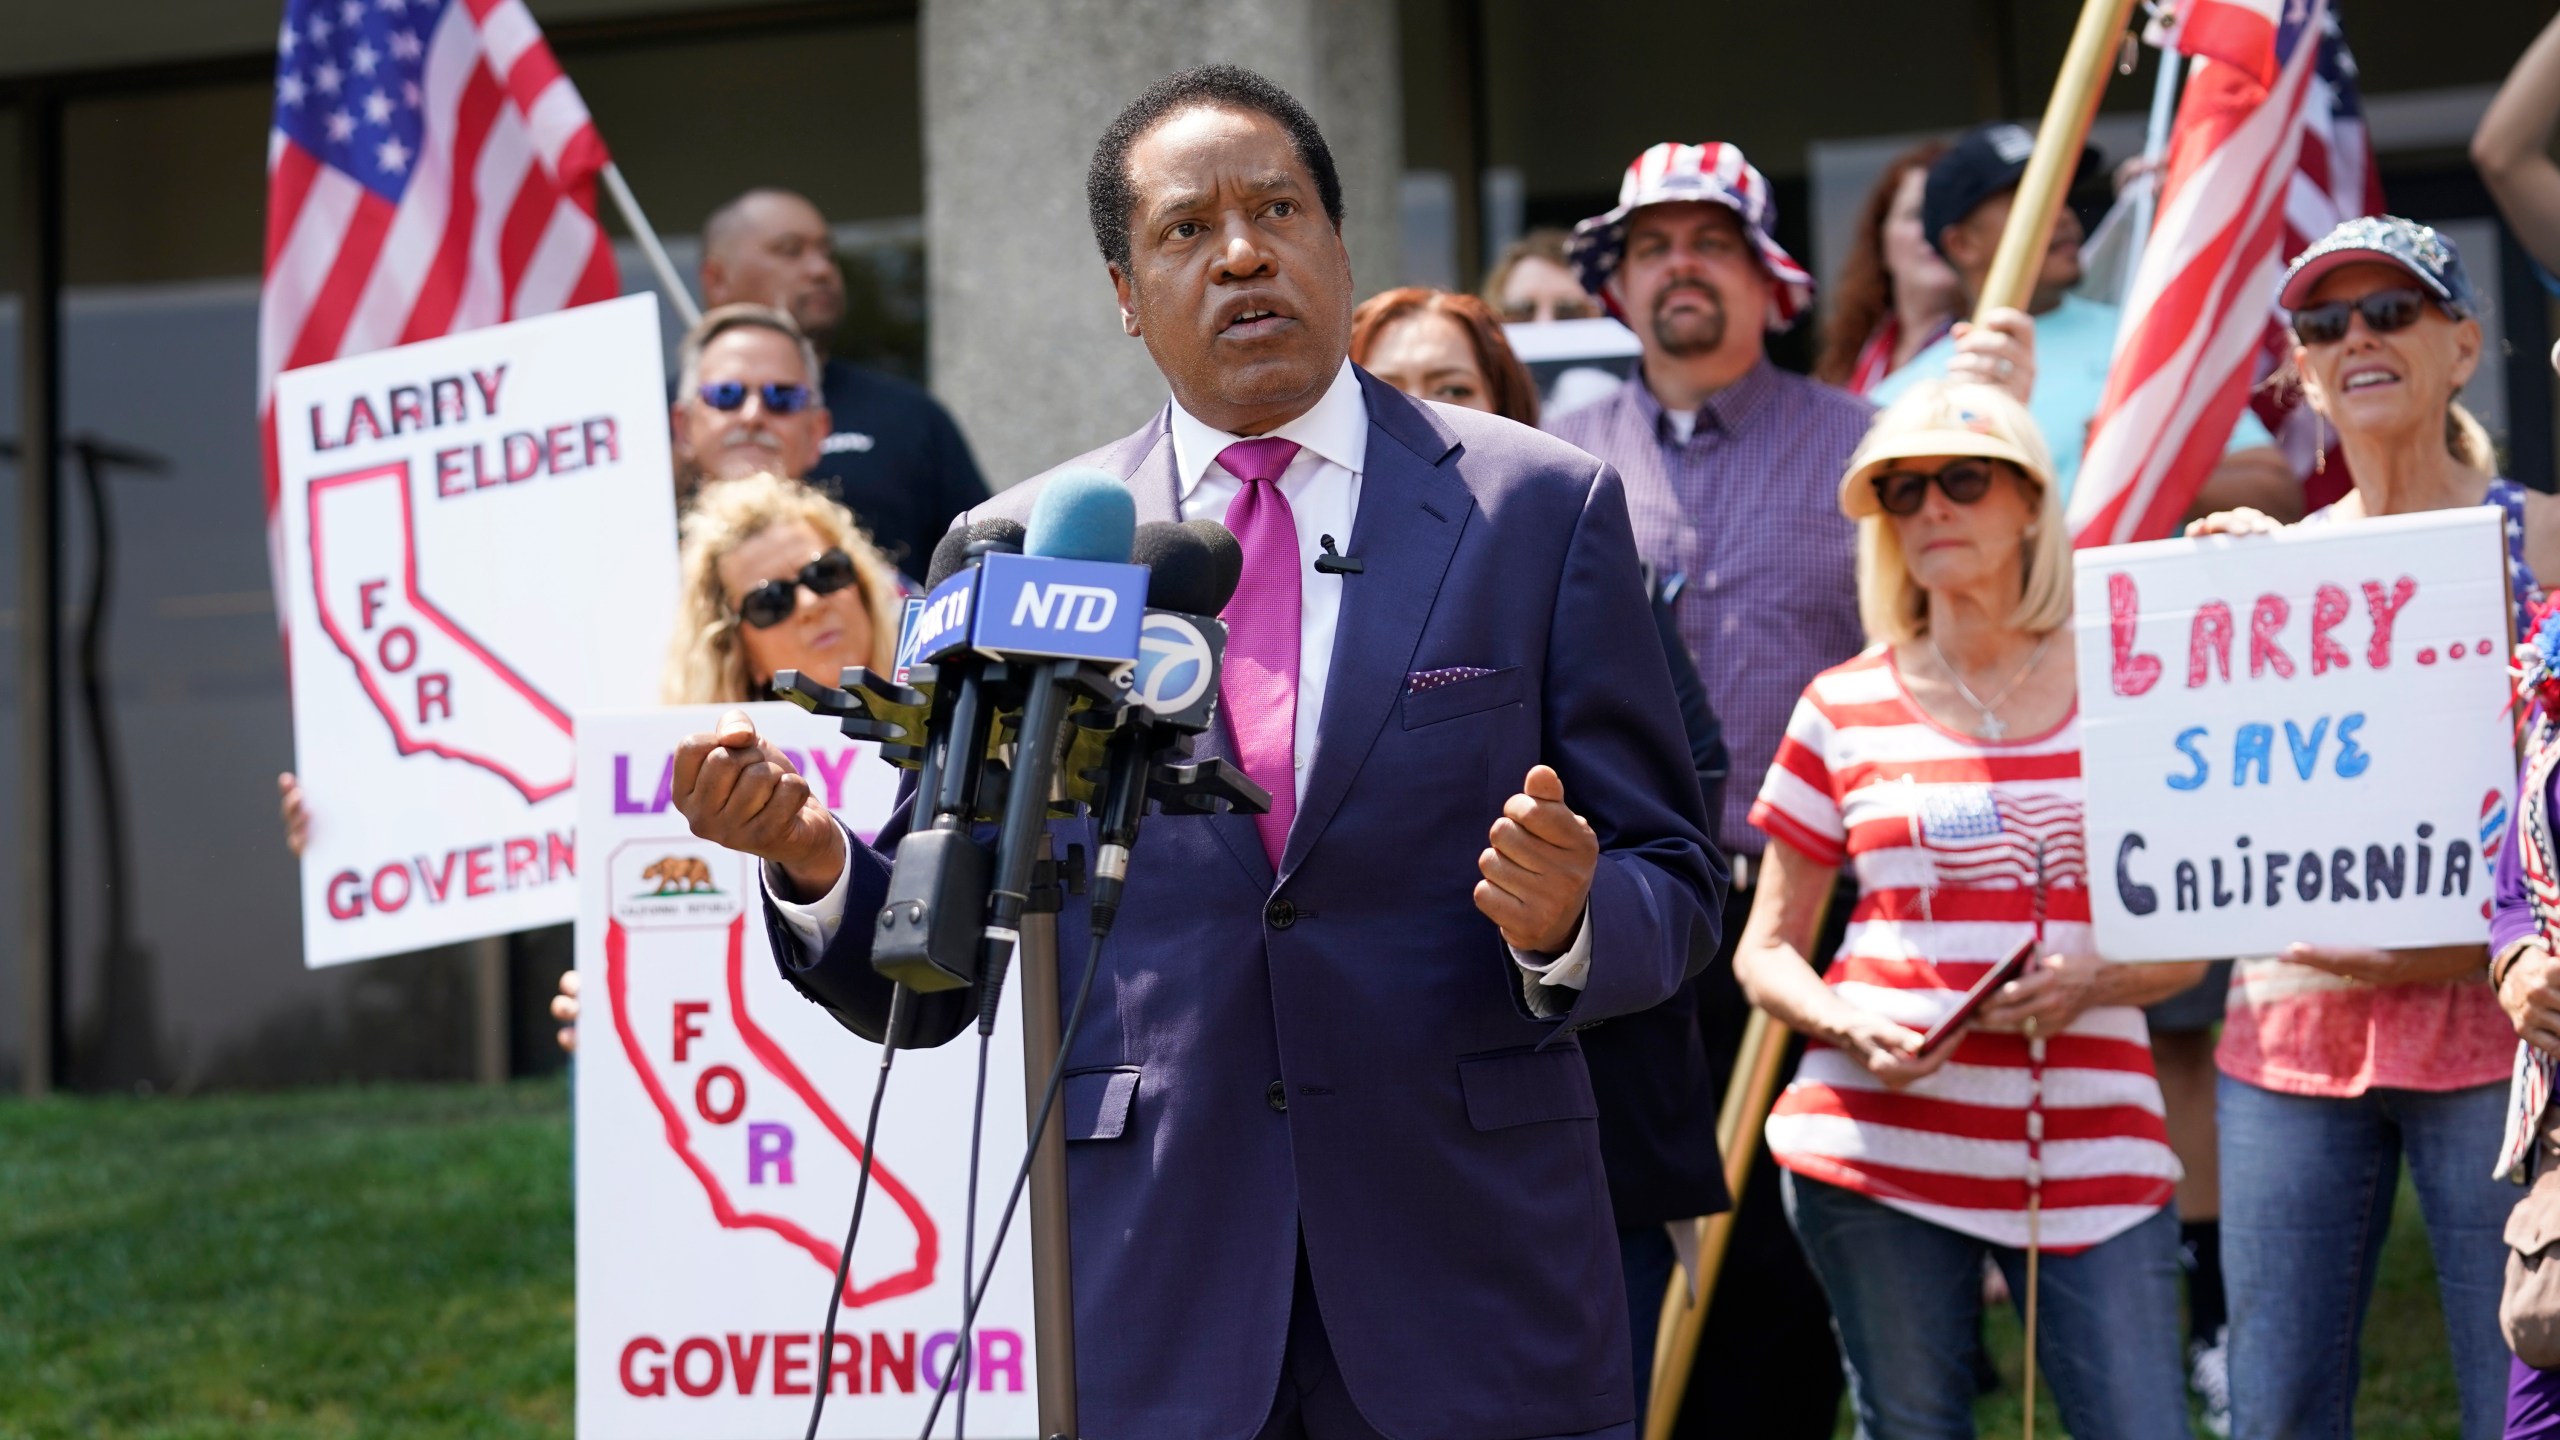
{"points": [[2384, 311], [772, 602], [779, 399], [1903, 492]]}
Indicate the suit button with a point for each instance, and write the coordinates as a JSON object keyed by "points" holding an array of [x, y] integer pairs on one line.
{"points": [[1280, 914], [1277, 1097]]}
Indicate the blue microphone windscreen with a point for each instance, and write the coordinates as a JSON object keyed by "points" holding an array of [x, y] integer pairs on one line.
{"points": [[1082, 514]]}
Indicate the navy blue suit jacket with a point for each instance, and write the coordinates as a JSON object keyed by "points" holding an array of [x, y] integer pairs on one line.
{"points": [[1437, 1154]]}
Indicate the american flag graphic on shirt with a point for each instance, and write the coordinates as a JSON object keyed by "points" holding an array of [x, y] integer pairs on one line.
{"points": [[1979, 836]]}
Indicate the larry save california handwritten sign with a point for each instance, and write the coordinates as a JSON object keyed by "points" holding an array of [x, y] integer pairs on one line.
{"points": [[2296, 737]]}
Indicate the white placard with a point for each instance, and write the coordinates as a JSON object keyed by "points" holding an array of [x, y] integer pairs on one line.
{"points": [[479, 544], [718, 1119], [2296, 737]]}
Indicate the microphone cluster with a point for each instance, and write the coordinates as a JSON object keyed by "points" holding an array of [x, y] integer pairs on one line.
{"points": [[1049, 670]]}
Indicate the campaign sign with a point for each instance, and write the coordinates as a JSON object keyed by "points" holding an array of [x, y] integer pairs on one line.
{"points": [[719, 1132], [1063, 609], [2302, 736], [478, 544]]}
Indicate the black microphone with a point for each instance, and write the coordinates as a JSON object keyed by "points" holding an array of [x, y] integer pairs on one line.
{"points": [[929, 923], [1192, 570], [1061, 609]]}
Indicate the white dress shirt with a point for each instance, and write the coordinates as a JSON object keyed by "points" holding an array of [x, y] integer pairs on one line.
{"points": [[1322, 485]]}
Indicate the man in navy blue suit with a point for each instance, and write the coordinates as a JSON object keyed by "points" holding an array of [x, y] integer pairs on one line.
{"points": [[1333, 1164]]}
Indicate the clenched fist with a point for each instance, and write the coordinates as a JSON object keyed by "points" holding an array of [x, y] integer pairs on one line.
{"points": [[741, 793], [1537, 872]]}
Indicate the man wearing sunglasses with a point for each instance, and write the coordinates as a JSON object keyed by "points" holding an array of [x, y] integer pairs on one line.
{"points": [[885, 448], [746, 398], [1963, 209]]}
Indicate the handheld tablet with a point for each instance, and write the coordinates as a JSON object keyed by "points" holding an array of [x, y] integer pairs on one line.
{"points": [[1992, 979]]}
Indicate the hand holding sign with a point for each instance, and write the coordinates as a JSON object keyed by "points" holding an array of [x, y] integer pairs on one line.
{"points": [[2530, 994], [2431, 965], [740, 792]]}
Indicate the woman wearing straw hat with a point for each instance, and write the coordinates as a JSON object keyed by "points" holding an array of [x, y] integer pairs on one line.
{"points": [[1943, 765]]}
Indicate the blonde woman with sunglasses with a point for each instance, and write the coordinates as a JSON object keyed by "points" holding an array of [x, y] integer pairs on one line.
{"points": [[1942, 767], [2339, 1061]]}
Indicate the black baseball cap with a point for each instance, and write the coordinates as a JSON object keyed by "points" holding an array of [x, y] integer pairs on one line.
{"points": [[1984, 161]]}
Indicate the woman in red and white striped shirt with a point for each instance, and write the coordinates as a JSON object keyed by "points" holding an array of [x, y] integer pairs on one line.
{"points": [[1943, 764]]}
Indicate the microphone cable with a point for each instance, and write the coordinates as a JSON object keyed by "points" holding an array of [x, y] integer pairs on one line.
{"points": [[961, 1356], [1022, 1173], [899, 1013]]}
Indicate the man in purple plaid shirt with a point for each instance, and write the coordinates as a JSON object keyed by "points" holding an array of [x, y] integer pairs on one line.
{"points": [[1732, 469]]}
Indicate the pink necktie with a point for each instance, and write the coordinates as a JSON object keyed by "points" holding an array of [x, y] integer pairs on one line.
{"points": [[1260, 681]]}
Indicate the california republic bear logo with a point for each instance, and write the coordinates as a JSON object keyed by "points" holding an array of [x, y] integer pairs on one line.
{"points": [[678, 883], [684, 874]]}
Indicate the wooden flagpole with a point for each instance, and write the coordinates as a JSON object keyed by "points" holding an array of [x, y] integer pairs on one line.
{"points": [[1747, 1097], [2059, 139], [1754, 1084]]}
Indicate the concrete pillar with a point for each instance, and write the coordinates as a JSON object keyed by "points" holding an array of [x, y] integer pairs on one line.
{"points": [[1025, 341]]}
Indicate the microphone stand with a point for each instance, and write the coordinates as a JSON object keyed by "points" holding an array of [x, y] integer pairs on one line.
{"points": [[1053, 1308]]}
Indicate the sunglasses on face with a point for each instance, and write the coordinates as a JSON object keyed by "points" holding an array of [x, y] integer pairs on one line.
{"points": [[778, 399], [1903, 492], [772, 602], [1521, 312], [2384, 311]]}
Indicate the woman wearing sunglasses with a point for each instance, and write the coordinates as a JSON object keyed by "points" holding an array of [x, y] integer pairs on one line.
{"points": [[1943, 766], [776, 577], [2337, 1060]]}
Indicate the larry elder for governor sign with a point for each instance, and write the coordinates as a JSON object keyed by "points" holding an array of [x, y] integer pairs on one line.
{"points": [[2296, 737], [479, 544], [719, 1120]]}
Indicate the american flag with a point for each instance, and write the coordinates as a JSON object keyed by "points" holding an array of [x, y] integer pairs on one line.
{"points": [[1981, 838], [430, 170], [2268, 153]]}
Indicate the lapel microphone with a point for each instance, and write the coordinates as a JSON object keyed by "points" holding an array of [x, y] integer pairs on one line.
{"points": [[1334, 562]]}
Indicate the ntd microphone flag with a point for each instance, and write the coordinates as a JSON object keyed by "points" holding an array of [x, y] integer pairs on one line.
{"points": [[1031, 606]]}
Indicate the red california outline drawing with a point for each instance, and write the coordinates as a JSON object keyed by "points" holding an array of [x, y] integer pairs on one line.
{"points": [[534, 790], [768, 1054]]}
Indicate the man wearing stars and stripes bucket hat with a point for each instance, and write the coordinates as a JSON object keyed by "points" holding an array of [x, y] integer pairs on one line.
{"points": [[1730, 465], [1671, 173]]}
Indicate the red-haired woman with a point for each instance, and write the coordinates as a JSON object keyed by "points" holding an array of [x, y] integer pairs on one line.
{"points": [[1436, 345], [1894, 294]]}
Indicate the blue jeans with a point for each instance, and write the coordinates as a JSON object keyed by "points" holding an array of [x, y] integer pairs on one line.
{"points": [[1906, 1299], [2307, 1189]]}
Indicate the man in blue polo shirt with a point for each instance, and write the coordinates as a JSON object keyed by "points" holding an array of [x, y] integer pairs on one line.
{"points": [[1964, 208]]}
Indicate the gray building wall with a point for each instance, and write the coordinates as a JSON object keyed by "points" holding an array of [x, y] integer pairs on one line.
{"points": [[1025, 336]]}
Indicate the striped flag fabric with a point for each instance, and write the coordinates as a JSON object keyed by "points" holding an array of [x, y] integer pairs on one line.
{"points": [[2256, 170], [430, 170]]}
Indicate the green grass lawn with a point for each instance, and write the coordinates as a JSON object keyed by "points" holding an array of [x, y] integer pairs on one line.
{"points": [[376, 1262], [394, 1261]]}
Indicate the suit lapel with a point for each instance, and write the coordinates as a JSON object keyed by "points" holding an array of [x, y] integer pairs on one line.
{"points": [[1412, 510]]}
